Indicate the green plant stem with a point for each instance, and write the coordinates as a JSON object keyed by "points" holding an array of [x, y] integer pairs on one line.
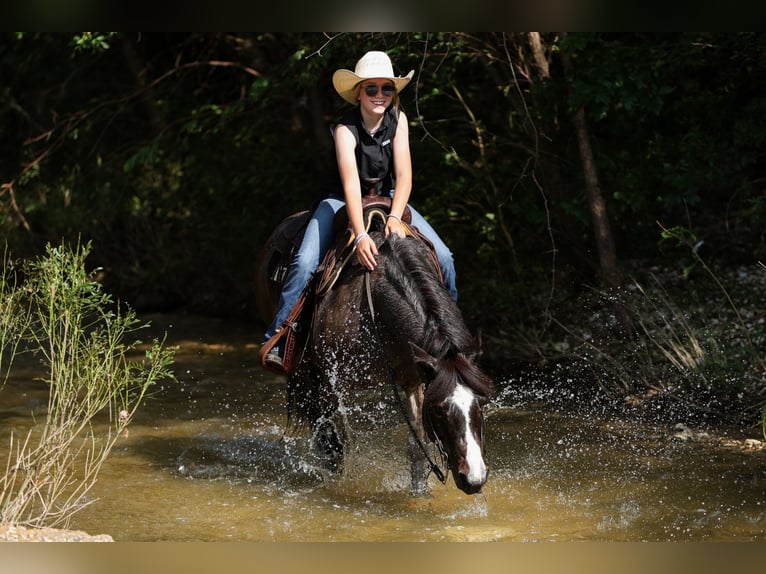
{"points": [[73, 325]]}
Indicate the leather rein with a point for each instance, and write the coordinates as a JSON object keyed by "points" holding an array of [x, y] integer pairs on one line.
{"points": [[433, 467]]}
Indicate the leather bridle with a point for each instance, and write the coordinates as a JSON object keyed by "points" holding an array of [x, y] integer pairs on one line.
{"points": [[433, 467]]}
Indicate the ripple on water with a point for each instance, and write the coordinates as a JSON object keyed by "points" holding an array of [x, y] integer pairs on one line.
{"points": [[207, 459]]}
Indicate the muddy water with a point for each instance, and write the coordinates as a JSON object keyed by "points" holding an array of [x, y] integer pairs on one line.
{"points": [[208, 459]]}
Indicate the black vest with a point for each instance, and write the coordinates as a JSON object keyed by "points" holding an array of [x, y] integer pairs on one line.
{"points": [[374, 153]]}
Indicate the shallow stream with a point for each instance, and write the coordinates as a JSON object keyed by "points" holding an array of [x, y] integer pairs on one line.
{"points": [[208, 458]]}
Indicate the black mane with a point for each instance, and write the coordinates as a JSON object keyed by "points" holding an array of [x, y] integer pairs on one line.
{"points": [[422, 300]]}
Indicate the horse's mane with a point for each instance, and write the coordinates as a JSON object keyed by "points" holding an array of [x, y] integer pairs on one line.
{"points": [[423, 300], [410, 296], [467, 372]]}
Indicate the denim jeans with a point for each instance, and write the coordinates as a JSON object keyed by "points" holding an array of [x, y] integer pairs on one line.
{"points": [[317, 240]]}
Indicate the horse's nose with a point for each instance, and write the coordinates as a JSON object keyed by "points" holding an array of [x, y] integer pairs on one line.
{"points": [[474, 468], [471, 482]]}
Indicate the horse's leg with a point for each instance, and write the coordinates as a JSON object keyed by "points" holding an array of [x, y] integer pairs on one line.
{"points": [[308, 401], [418, 476], [328, 440], [330, 433]]}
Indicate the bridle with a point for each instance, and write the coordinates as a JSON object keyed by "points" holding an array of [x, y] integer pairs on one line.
{"points": [[433, 467]]}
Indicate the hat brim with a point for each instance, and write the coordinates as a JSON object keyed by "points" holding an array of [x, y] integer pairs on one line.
{"points": [[345, 82]]}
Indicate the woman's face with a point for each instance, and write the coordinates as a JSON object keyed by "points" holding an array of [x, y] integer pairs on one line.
{"points": [[376, 94]]}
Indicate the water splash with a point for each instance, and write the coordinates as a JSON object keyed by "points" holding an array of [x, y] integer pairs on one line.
{"points": [[283, 461]]}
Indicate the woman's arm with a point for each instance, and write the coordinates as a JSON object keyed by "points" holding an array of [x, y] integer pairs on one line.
{"points": [[403, 175], [349, 176]]}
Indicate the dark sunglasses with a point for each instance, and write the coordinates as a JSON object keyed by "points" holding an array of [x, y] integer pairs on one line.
{"points": [[372, 90]]}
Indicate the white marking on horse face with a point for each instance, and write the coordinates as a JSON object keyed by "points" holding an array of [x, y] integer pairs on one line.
{"points": [[463, 398]]}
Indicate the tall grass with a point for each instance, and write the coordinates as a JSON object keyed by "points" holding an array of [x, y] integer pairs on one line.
{"points": [[703, 354], [51, 307], [15, 318]]}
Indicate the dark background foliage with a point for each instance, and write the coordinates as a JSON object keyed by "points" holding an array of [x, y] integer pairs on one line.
{"points": [[177, 153]]}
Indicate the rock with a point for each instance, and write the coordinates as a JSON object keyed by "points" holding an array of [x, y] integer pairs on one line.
{"points": [[9, 533], [682, 433], [753, 444]]}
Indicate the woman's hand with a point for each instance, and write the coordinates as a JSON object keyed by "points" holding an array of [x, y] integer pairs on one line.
{"points": [[394, 225], [366, 251]]}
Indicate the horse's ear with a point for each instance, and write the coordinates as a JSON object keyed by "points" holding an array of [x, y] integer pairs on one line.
{"points": [[476, 351], [424, 360]]}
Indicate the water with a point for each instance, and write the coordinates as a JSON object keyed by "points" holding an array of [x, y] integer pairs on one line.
{"points": [[208, 459]]}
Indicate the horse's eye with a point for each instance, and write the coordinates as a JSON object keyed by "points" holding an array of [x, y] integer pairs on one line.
{"points": [[439, 414]]}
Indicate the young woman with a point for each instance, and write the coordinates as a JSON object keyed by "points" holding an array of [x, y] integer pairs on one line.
{"points": [[372, 148]]}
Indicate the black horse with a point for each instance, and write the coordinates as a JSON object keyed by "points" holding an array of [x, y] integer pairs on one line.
{"points": [[398, 328]]}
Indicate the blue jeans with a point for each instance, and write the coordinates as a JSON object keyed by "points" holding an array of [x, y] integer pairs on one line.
{"points": [[318, 238]]}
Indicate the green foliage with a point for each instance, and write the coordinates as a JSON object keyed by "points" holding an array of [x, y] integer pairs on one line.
{"points": [[678, 123], [177, 153], [15, 318], [62, 315], [686, 237], [92, 41]]}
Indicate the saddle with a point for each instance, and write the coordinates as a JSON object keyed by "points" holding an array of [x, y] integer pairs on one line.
{"points": [[297, 325]]}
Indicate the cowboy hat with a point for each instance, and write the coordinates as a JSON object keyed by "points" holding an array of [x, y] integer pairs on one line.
{"points": [[371, 65]]}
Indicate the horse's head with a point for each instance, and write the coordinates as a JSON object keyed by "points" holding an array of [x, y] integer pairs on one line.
{"points": [[456, 392]]}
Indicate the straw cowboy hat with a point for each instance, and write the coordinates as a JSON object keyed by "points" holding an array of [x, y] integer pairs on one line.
{"points": [[371, 65]]}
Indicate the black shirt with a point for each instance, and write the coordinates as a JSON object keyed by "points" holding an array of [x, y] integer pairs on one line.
{"points": [[374, 154]]}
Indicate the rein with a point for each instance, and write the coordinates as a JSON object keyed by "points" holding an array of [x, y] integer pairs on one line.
{"points": [[434, 468]]}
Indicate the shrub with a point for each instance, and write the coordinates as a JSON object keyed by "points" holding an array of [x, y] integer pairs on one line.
{"points": [[52, 308]]}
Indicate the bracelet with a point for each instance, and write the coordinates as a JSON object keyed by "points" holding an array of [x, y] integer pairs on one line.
{"points": [[359, 237], [399, 219]]}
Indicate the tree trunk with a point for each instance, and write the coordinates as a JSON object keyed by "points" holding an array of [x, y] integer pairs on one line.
{"points": [[565, 230], [538, 54], [607, 254], [138, 70]]}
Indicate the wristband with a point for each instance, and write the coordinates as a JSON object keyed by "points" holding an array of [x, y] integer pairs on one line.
{"points": [[399, 219], [360, 237]]}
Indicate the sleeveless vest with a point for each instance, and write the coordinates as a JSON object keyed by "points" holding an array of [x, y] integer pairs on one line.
{"points": [[374, 153]]}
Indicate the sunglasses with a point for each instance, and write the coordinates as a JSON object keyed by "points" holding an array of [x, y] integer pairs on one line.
{"points": [[372, 90]]}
